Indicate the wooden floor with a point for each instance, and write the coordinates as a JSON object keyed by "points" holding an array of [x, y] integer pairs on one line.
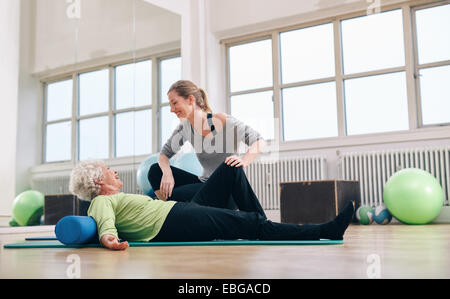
{"points": [[391, 251]]}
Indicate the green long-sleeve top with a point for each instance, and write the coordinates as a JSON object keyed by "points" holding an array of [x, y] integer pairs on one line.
{"points": [[130, 217]]}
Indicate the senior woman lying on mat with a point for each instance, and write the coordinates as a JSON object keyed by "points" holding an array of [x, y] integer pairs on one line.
{"points": [[133, 217]]}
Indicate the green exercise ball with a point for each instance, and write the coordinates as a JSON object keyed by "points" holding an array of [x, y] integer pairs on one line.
{"points": [[13, 222], [28, 207], [413, 196]]}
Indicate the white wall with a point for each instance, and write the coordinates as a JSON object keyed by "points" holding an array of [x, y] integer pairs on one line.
{"points": [[9, 80], [252, 12], [193, 32], [105, 28], [179, 7], [30, 103]]}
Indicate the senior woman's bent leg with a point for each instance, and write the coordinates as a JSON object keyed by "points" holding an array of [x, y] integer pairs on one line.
{"points": [[193, 222]]}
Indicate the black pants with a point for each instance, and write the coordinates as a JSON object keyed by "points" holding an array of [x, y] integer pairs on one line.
{"points": [[186, 185], [205, 219]]}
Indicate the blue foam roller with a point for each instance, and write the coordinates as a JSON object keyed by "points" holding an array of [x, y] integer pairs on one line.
{"points": [[76, 230]]}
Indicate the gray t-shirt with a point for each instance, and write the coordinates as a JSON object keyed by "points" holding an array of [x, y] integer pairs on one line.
{"points": [[211, 151]]}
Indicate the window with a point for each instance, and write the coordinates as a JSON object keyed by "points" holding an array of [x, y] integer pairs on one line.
{"points": [[93, 138], [170, 72], [376, 104], [93, 100], [251, 85], [58, 143], [251, 66], [59, 100], [58, 126], [169, 122], [106, 124], [373, 42], [252, 108], [133, 85], [307, 54], [433, 47], [309, 110], [133, 109], [345, 76], [433, 63], [94, 92], [435, 94], [139, 142]]}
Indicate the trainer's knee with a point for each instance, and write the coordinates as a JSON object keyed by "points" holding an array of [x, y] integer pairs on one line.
{"points": [[225, 165], [234, 169], [226, 168]]}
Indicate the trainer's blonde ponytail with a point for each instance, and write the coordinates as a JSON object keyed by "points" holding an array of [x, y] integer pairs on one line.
{"points": [[205, 103]]}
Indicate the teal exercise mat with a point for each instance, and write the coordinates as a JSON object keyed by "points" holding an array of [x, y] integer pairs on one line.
{"points": [[57, 244], [41, 238]]}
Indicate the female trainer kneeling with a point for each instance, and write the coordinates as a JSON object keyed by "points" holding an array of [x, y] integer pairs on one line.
{"points": [[215, 138], [133, 217]]}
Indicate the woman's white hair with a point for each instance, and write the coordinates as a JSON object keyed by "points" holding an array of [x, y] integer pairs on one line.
{"points": [[82, 178]]}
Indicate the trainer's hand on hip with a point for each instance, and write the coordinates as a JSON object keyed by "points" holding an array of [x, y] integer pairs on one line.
{"points": [[167, 184], [111, 242], [236, 161]]}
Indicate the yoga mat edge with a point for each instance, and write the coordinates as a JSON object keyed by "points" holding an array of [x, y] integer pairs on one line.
{"points": [[57, 244]]}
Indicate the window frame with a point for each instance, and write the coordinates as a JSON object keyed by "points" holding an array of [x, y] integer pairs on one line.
{"points": [[45, 123], [418, 67], [160, 143], [420, 132], [255, 90], [111, 112]]}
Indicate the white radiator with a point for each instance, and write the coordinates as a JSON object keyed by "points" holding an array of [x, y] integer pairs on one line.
{"points": [[265, 176], [50, 185], [373, 169]]}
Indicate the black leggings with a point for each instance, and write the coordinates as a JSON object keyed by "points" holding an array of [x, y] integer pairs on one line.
{"points": [[205, 219], [186, 185]]}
